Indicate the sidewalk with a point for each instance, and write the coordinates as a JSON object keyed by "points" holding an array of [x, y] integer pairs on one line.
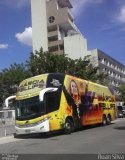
{"points": [[7, 129], [6, 139]]}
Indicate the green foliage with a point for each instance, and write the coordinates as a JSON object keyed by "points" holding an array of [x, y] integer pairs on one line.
{"points": [[122, 92], [10, 79], [46, 62]]}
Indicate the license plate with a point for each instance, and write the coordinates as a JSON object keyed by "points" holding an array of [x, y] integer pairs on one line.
{"points": [[27, 130]]}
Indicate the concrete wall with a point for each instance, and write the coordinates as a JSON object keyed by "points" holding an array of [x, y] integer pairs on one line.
{"points": [[61, 15], [94, 57], [7, 117], [75, 46], [39, 25]]}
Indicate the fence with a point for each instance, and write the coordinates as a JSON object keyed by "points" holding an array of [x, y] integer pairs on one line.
{"points": [[7, 117]]}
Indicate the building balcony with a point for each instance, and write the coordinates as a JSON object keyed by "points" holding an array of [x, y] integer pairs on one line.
{"points": [[52, 34], [64, 3], [64, 19], [70, 15], [59, 52], [55, 43], [69, 25]]}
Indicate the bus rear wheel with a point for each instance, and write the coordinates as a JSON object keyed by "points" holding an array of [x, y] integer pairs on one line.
{"points": [[108, 119], [69, 126], [104, 120]]}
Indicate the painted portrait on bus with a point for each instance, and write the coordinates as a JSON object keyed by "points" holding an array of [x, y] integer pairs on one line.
{"points": [[74, 91]]}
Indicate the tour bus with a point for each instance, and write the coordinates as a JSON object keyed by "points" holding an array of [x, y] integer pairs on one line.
{"points": [[55, 101]]}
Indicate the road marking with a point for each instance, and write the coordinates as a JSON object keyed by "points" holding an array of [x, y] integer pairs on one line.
{"points": [[8, 139]]}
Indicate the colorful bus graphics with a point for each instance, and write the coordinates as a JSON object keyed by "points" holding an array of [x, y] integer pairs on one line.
{"points": [[89, 99], [51, 102]]}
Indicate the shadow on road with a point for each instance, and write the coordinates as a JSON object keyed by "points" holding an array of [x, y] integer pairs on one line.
{"points": [[41, 135], [120, 128], [54, 135], [94, 126]]}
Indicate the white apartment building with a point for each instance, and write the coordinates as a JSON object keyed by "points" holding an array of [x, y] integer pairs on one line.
{"points": [[54, 29], [114, 69]]}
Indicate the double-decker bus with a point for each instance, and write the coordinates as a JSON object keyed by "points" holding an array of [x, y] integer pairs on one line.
{"points": [[55, 101]]}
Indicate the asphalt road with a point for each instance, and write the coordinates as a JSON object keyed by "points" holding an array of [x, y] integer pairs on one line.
{"points": [[91, 140]]}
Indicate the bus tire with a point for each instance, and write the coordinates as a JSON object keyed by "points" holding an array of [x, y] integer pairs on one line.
{"points": [[69, 126], [104, 120], [15, 135], [109, 119]]}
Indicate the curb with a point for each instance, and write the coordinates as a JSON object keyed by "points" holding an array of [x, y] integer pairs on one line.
{"points": [[6, 137]]}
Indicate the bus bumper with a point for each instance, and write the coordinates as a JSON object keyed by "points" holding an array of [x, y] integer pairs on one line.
{"points": [[41, 128]]}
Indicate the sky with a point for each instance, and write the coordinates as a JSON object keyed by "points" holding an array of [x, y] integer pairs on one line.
{"points": [[102, 23]]}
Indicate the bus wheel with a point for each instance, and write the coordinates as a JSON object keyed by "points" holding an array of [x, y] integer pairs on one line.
{"points": [[16, 136], [69, 126], [104, 120], [108, 119]]}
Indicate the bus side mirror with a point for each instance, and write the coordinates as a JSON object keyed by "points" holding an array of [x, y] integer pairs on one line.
{"points": [[8, 99], [41, 95]]}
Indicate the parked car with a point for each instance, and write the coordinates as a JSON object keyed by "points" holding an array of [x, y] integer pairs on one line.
{"points": [[123, 109], [120, 114]]}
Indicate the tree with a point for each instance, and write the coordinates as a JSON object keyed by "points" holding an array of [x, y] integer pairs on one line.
{"points": [[46, 62], [10, 79], [121, 89]]}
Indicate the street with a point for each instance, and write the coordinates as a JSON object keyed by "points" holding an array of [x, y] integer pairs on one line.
{"points": [[90, 140]]}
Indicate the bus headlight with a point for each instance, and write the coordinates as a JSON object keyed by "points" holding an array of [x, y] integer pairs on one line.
{"points": [[33, 124], [43, 120]]}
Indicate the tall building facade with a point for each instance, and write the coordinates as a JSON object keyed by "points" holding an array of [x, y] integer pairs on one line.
{"points": [[110, 66], [54, 29]]}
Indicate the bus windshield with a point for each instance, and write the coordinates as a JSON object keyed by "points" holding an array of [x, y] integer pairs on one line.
{"points": [[29, 108]]}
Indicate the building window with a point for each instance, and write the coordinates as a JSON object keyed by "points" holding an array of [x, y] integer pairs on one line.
{"points": [[61, 47], [109, 72], [53, 49], [53, 28], [103, 60], [51, 19]]}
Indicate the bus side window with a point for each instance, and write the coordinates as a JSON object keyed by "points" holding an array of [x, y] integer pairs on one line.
{"points": [[51, 101]]}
